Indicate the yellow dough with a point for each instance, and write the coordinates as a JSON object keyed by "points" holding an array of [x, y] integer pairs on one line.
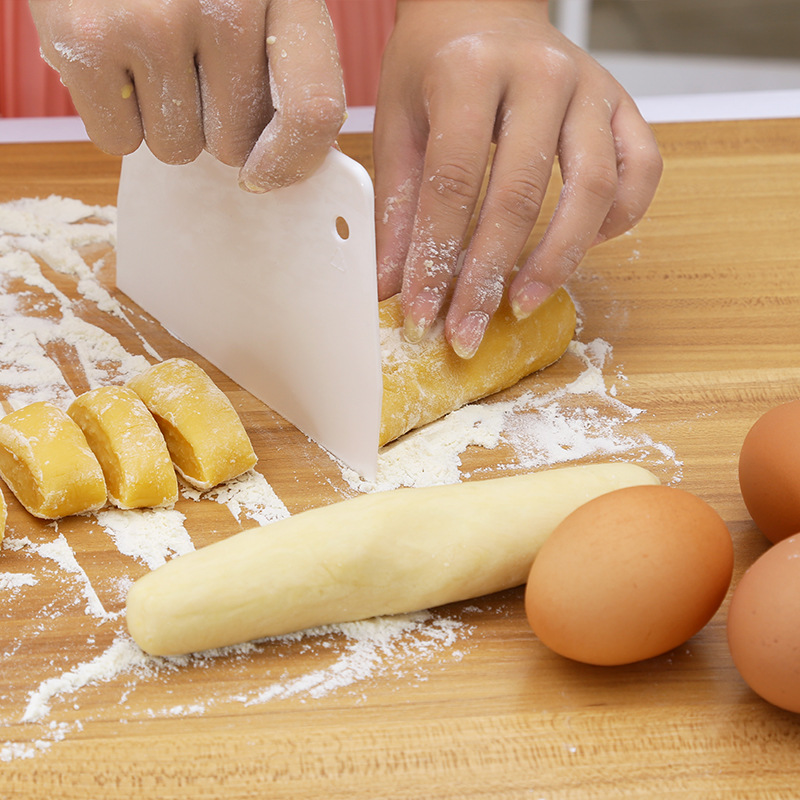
{"points": [[129, 445], [385, 553], [205, 437], [47, 463], [423, 382]]}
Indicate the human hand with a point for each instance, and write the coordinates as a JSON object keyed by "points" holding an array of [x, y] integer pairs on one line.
{"points": [[458, 75], [257, 83]]}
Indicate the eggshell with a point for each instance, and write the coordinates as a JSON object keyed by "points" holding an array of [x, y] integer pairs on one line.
{"points": [[764, 625], [769, 471], [629, 575]]}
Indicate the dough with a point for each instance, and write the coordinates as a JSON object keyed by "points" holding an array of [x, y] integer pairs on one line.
{"points": [[129, 446], [47, 463], [385, 553], [205, 437], [423, 382]]}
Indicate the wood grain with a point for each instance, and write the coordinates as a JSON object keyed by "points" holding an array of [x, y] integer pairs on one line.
{"points": [[701, 305]]}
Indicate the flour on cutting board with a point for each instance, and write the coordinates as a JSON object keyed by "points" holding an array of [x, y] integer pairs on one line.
{"points": [[580, 420], [49, 352]]}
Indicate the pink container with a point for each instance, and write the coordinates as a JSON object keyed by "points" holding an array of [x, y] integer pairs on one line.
{"points": [[362, 29], [29, 88]]}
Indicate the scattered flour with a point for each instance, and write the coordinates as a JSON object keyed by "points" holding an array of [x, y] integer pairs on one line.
{"points": [[372, 646], [151, 536], [10, 581], [248, 495], [579, 420], [59, 551], [43, 339], [44, 344], [121, 657]]}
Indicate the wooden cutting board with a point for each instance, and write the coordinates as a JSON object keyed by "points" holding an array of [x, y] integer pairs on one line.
{"points": [[689, 332]]}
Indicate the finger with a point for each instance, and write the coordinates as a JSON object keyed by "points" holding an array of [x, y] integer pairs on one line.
{"points": [[96, 77], [455, 164], [639, 167], [519, 177], [234, 82], [167, 93], [307, 93], [104, 97], [589, 168], [399, 156]]}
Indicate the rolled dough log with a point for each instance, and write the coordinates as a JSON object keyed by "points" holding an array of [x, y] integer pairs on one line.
{"points": [[205, 437], [47, 463], [129, 446], [385, 553], [423, 382]]}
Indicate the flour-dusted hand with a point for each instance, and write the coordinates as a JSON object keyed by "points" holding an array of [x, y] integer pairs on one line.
{"points": [[255, 82], [458, 75]]}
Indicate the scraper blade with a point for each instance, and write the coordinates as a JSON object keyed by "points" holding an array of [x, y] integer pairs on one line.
{"points": [[277, 290]]}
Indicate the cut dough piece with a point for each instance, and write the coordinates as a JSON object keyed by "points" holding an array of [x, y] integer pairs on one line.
{"points": [[47, 463], [129, 446], [423, 382], [384, 553], [205, 437]]}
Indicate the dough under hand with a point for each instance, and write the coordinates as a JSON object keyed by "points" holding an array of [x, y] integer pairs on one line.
{"points": [[47, 463], [205, 437], [129, 446], [384, 553], [423, 382]]}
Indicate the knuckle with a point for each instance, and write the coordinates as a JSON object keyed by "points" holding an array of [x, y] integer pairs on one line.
{"points": [[476, 51], [174, 152], [652, 165], [317, 113], [555, 64], [520, 198], [599, 180], [455, 182], [116, 145], [232, 142], [233, 153]]}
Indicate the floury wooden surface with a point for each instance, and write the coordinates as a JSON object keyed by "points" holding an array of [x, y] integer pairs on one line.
{"points": [[701, 305]]}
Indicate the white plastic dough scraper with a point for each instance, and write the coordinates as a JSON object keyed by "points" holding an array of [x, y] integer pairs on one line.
{"points": [[277, 290]]}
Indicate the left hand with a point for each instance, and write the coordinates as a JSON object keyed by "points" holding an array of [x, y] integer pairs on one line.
{"points": [[458, 75], [256, 83]]}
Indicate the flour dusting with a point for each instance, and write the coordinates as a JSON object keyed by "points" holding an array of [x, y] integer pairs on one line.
{"points": [[581, 420], [150, 535], [121, 657], [248, 496], [58, 551], [372, 645], [49, 276], [11, 581]]}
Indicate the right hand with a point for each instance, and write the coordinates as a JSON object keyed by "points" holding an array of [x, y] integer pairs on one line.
{"points": [[257, 83], [458, 75]]}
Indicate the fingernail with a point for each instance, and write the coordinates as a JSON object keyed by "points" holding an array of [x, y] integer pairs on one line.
{"points": [[529, 298], [254, 188], [469, 334], [420, 316]]}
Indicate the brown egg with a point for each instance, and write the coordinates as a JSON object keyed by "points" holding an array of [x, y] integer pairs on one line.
{"points": [[629, 575], [769, 471], [764, 625]]}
